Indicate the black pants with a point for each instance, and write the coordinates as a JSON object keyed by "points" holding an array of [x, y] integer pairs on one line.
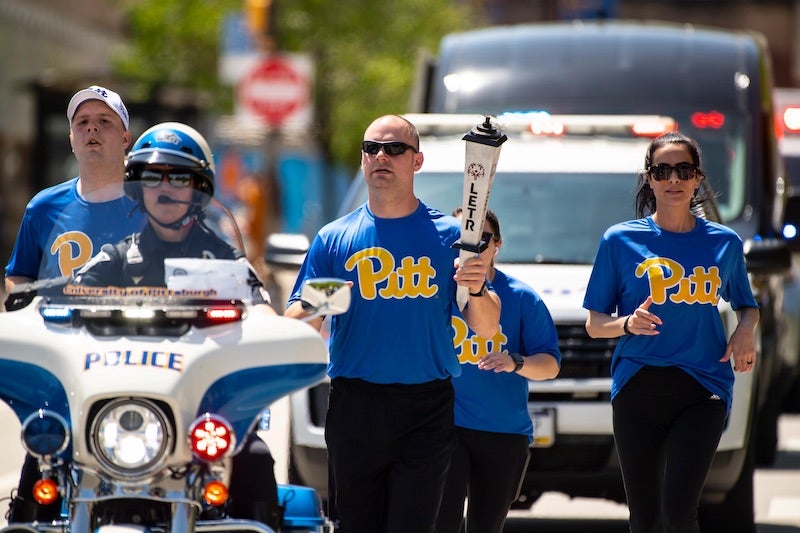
{"points": [[253, 490], [666, 427], [389, 448], [487, 469]]}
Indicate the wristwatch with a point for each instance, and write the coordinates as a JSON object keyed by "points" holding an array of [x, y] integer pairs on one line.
{"points": [[518, 360], [481, 292]]}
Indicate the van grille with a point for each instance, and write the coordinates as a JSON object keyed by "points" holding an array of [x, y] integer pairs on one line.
{"points": [[582, 358]]}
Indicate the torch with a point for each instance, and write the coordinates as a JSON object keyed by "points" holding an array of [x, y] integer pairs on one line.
{"points": [[483, 144]]}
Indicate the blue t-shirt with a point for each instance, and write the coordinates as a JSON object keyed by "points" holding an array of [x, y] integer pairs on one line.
{"points": [[61, 231], [686, 274], [397, 329], [498, 401]]}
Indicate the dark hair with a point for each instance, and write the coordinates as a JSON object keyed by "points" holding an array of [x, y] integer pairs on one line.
{"points": [[645, 198], [491, 218]]}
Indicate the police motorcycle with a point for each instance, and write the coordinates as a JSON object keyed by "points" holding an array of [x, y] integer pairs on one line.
{"points": [[134, 404], [134, 400]]}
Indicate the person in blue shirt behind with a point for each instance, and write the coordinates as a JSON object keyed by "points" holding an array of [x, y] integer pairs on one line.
{"points": [[493, 427], [66, 225], [656, 283]]}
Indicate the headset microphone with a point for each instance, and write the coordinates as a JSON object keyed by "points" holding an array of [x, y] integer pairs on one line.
{"points": [[164, 199]]}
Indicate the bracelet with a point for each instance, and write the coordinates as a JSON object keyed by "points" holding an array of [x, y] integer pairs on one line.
{"points": [[625, 326], [481, 291]]}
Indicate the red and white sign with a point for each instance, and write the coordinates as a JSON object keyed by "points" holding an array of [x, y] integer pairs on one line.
{"points": [[277, 90]]}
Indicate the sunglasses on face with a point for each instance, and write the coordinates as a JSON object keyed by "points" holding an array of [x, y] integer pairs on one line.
{"points": [[390, 148], [177, 178], [685, 171]]}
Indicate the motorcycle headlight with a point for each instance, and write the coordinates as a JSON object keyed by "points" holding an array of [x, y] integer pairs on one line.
{"points": [[131, 437]]}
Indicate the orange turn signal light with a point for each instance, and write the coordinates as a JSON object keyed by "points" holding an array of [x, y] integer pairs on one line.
{"points": [[45, 491], [215, 493]]}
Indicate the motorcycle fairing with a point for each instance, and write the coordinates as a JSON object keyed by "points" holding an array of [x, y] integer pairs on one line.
{"points": [[241, 396]]}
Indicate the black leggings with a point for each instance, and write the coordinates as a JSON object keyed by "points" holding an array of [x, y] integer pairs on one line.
{"points": [[487, 468], [666, 427]]}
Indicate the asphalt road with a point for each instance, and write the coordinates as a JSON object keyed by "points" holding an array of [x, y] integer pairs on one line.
{"points": [[777, 489], [777, 499]]}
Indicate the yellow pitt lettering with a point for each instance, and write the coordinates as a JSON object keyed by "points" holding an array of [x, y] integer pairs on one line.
{"points": [[702, 286], [63, 247], [376, 266], [471, 348], [410, 280], [368, 276]]}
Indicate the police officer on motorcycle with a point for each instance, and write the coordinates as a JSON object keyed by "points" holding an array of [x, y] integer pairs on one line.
{"points": [[170, 174]]}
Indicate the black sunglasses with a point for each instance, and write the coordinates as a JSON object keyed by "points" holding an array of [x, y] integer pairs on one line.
{"points": [[686, 171], [390, 148], [177, 178]]}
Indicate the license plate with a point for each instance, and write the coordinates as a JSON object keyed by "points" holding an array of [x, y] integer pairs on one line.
{"points": [[544, 426]]}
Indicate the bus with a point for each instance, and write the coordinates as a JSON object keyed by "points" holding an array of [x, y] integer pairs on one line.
{"points": [[717, 85]]}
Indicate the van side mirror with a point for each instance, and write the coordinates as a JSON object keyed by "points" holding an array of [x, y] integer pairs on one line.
{"points": [[791, 222], [767, 256], [286, 249]]}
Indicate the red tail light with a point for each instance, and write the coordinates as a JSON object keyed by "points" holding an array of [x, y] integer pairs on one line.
{"points": [[708, 120]]}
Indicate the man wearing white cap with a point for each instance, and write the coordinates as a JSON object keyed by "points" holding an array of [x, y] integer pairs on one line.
{"points": [[66, 225]]}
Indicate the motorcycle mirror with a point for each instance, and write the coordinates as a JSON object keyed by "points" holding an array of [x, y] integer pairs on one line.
{"points": [[325, 296]]}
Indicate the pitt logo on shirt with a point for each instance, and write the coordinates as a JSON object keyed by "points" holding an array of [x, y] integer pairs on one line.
{"points": [[375, 266], [72, 249], [701, 286], [471, 348]]}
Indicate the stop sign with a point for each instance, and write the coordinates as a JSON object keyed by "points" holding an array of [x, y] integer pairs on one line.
{"points": [[274, 90]]}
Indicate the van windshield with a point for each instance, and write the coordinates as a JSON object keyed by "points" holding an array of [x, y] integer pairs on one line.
{"points": [[725, 154]]}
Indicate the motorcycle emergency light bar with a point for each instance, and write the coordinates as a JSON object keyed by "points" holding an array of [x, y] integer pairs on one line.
{"points": [[223, 314], [211, 438], [56, 314], [137, 313], [112, 320]]}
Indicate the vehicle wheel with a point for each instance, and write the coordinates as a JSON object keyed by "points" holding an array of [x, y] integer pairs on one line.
{"points": [[737, 511]]}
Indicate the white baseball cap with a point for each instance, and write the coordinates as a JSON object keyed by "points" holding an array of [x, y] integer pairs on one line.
{"points": [[95, 92]]}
